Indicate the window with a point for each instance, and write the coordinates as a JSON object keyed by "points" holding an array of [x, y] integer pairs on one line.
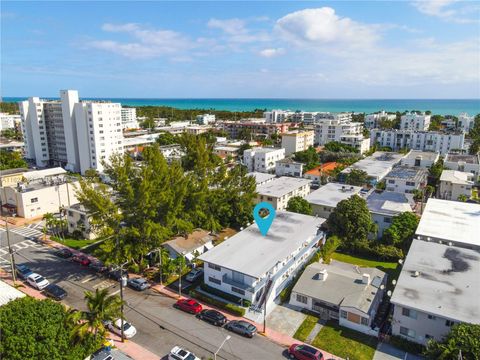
{"points": [[343, 314], [34, 200], [214, 267], [302, 299], [364, 321], [449, 323], [387, 220], [432, 317], [407, 332], [391, 181], [238, 291], [70, 213], [409, 313], [215, 281], [410, 183]]}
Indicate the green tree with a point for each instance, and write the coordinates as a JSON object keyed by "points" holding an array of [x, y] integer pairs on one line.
{"points": [[11, 160], [12, 134], [462, 197], [381, 185], [40, 329], [299, 205], [401, 231], [166, 139], [356, 177], [436, 122], [331, 244], [463, 337], [434, 172], [351, 221], [180, 267], [335, 146], [308, 157], [148, 123], [474, 134]]}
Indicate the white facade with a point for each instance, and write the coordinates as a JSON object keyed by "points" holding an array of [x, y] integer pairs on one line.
{"points": [[466, 122], [325, 199], [372, 121], [423, 159], [418, 140], [296, 141], [8, 121], [262, 159], [414, 121], [288, 167], [129, 118], [454, 184], [405, 179], [464, 163], [278, 191], [205, 119], [77, 220], [277, 116], [345, 132]]}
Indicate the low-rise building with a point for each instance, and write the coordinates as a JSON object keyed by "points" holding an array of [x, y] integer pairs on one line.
{"points": [[277, 116], [226, 152], [325, 199], [455, 184], [342, 292], [254, 128], [346, 132], [372, 121], [262, 159], [414, 121], [261, 178], [11, 177], [288, 167], [322, 170], [465, 122], [418, 158], [190, 246], [11, 145], [405, 179], [205, 119], [278, 191], [256, 267], [295, 141], [450, 222], [198, 129], [463, 162], [10, 121], [78, 221], [385, 205], [437, 288]]}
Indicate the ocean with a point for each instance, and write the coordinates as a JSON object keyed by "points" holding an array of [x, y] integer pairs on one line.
{"points": [[436, 106]]}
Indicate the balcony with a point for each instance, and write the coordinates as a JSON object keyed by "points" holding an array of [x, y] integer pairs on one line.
{"points": [[228, 280]]}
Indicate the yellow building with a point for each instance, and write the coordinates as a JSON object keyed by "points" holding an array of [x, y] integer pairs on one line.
{"points": [[11, 177]]}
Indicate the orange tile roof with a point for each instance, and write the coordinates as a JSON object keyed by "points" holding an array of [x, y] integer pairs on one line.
{"points": [[325, 168]]}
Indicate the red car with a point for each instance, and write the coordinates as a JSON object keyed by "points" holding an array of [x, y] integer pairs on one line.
{"points": [[304, 352], [82, 260], [188, 305]]}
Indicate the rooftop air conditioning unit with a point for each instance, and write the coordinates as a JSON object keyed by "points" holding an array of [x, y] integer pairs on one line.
{"points": [[322, 275], [366, 279]]}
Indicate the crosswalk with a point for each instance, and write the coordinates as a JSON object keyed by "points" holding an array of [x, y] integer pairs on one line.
{"points": [[27, 232]]}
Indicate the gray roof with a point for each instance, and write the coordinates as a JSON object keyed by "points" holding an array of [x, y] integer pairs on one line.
{"points": [[389, 202], [185, 245], [264, 149], [281, 186], [426, 155], [451, 221], [408, 173], [456, 177], [343, 286], [260, 178], [13, 171], [469, 159], [250, 253], [377, 165], [447, 285], [331, 194], [288, 161]]}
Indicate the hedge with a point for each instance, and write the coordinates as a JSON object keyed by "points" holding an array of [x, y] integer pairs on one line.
{"points": [[406, 345], [233, 309], [232, 298]]}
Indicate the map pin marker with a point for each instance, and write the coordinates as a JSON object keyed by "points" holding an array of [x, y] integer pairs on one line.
{"points": [[264, 223]]}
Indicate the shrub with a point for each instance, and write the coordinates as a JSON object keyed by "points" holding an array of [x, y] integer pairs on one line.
{"points": [[232, 298], [406, 345], [233, 309]]}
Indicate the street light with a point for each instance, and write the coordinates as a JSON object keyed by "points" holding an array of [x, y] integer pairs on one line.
{"points": [[224, 341], [12, 258], [123, 283]]}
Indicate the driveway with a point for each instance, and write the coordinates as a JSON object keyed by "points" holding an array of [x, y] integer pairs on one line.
{"points": [[388, 352], [285, 319]]}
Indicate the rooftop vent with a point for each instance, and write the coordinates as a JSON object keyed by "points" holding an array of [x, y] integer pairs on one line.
{"points": [[416, 274], [322, 275], [366, 279]]}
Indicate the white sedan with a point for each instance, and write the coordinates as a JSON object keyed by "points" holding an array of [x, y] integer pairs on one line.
{"points": [[177, 353], [37, 281], [128, 329]]}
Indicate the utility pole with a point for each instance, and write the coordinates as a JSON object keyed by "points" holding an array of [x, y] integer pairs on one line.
{"points": [[123, 283], [224, 341], [160, 264], [10, 251]]}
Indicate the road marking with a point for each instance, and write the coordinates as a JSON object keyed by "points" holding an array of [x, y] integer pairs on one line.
{"points": [[3, 252], [87, 279], [27, 232], [104, 285], [115, 293]]}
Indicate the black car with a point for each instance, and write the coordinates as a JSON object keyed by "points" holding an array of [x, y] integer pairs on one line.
{"points": [[55, 292], [139, 284], [116, 274], [213, 317], [22, 271], [63, 253], [241, 327]]}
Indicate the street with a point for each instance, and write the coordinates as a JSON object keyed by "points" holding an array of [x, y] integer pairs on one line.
{"points": [[159, 326]]}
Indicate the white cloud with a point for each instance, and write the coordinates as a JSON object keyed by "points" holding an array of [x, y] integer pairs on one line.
{"points": [[229, 26], [445, 10], [272, 52], [321, 26]]}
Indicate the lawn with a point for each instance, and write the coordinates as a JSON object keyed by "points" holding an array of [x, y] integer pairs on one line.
{"points": [[306, 328], [345, 343], [73, 243]]}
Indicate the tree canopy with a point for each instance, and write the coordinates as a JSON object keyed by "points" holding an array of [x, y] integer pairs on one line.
{"points": [[11, 160], [435, 171], [462, 337], [474, 134], [299, 205], [401, 231], [308, 157], [356, 177], [336, 146]]}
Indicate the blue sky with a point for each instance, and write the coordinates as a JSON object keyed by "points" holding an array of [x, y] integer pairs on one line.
{"points": [[324, 49]]}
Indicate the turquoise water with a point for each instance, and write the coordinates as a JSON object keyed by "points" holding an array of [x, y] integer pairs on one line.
{"points": [[443, 106]]}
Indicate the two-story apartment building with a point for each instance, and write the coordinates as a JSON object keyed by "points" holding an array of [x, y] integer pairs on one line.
{"points": [[257, 268], [278, 191], [465, 163], [325, 199], [289, 167], [418, 158], [405, 179], [455, 184], [262, 159], [78, 221]]}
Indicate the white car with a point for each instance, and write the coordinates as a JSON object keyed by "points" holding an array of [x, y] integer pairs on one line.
{"points": [[128, 329], [177, 353], [37, 281]]}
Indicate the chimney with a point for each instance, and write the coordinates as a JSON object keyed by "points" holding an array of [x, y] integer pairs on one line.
{"points": [[366, 279], [322, 275]]}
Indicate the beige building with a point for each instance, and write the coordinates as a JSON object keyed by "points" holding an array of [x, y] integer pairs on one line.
{"points": [[295, 141], [454, 184], [11, 177], [278, 191]]}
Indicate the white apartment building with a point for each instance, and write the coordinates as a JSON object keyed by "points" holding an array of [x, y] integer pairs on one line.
{"points": [[277, 116], [466, 122], [278, 191], [418, 140], [345, 132], [262, 159], [205, 119], [77, 220], [418, 158], [9, 121], [372, 121], [465, 163], [406, 179], [313, 118], [454, 184], [129, 118], [71, 133], [414, 121], [257, 268], [288, 167], [326, 198], [295, 141]]}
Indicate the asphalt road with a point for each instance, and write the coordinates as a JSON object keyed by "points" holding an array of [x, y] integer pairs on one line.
{"points": [[159, 326]]}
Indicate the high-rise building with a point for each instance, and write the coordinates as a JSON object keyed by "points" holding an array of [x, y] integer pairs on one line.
{"points": [[295, 141], [74, 134], [129, 118], [343, 131]]}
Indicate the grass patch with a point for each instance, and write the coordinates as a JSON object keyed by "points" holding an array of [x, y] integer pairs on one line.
{"points": [[73, 243], [345, 343], [306, 328]]}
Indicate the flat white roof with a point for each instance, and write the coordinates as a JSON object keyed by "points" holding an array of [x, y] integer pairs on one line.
{"points": [[8, 293], [252, 254], [451, 221], [377, 165], [456, 177], [260, 178], [331, 194], [281, 186], [389, 202], [426, 155], [265, 150], [448, 281], [40, 174]]}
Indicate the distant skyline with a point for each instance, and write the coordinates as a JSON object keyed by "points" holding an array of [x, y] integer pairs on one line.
{"points": [[316, 49]]}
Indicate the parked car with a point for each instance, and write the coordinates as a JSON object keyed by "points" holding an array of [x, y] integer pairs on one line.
{"points": [[81, 259], [23, 271], [177, 353], [128, 329], [213, 317], [102, 354], [194, 275], [54, 291], [98, 266], [242, 327], [304, 352], [138, 284], [188, 305], [116, 274], [37, 281], [63, 253]]}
